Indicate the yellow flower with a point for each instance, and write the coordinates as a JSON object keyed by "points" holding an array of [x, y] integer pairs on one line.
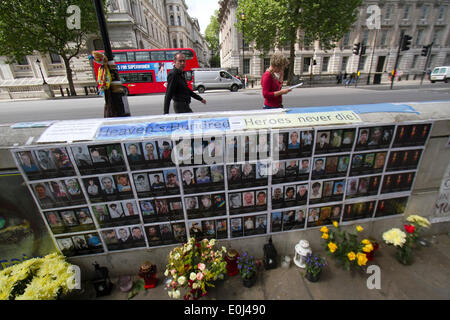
{"points": [[325, 236], [335, 224], [395, 236], [421, 221], [324, 229], [368, 248], [351, 256], [366, 241], [359, 228], [332, 246], [362, 259]]}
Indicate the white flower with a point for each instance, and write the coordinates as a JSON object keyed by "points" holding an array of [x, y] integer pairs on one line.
{"points": [[170, 293], [212, 242], [224, 249], [195, 285], [182, 280], [395, 236], [166, 273], [176, 256], [421, 221], [176, 294], [192, 276]]}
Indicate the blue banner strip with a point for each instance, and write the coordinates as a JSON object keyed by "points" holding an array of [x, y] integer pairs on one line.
{"points": [[359, 108]]}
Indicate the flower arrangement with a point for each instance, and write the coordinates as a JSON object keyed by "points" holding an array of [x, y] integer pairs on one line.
{"points": [[345, 247], [406, 240], [37, 279], [194, 266], [314, 265], [246, 266]]}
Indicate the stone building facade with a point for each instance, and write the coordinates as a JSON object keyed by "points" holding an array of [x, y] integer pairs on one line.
{"points": [[426, 21], [142, 24]]}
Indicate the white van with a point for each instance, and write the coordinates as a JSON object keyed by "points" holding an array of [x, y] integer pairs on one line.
{"points": [[215, 79], [440, 74]]}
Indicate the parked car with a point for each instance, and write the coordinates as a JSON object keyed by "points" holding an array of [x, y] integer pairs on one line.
{"points": [[440, 74], [215, 79]]}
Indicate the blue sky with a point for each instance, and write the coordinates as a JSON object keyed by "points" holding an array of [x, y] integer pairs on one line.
{"points": [[202, 10]]}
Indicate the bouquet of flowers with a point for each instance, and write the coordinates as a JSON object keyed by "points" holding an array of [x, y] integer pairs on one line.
{"points": [[37, 279], [405, 241], [345, 247], [246, 266], [194, 266], [314, 265]]}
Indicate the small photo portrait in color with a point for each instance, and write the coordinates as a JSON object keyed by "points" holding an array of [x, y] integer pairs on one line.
{"points": [[316, 190], [323, 141]]}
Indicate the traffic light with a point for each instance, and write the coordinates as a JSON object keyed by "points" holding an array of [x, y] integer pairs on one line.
{"points": [[363, 50], [356, 48], [425, 50], [406, 42]]}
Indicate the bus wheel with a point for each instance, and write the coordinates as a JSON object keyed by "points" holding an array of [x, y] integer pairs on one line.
{"points": [[234, 88], [201, 89]]}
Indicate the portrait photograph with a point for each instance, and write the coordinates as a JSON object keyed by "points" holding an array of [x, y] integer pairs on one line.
{"points": [[249, 226], [288, 220], [289, 194], [374, 184], [217, 173], [263, 146], [248, 199], [378, 163], [248, 173], [195, 229], [123, 183], [43, 195], [335, 140], [142, 184], [53, 219], [115, 157], [307, 141], [166, 233], [234, 175], [137, 234], [165, 150], [82, 156], [318, 167], [29, 165], [294, 141], [278, 171], [313, 217], [261, 224], [99, 156], [343, 164], [101, 213], [235, 200], [108, 186], [261, 198], [393, 206], [161, 207], [147, 208], [291, 170], [352, 187], [157, 182], [74, 191], [363, 138], [299, 220], [302, 194], [66, 246], [323, 142], [275, 221], [115, 210], [191, 203], [150, 151], [93, 187], [80, 242], [84, 216], [202, 175], [188, 180], [331, 165], [130, 208], [304, 167], [388, 183], [209, 230], [179, 232], [348, 137], [339, 188], [236, 227], [69, 219], [59, 192], [124, 236], [110, 237], [205, 203], [45, 160], [327, 189], [324, 216], [153, 235], [134, 153], [221, 229], [277, 196], [316, 190], [62, 160], [172, 183]]}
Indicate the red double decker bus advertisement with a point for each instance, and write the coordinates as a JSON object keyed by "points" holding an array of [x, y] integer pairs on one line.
{"points": [[145, 70]]}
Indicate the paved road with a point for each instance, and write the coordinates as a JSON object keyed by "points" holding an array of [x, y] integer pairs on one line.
{"points": [[221, 100]]}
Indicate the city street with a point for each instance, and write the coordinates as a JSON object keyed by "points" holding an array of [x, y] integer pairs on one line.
{"points": [[83, 107]]}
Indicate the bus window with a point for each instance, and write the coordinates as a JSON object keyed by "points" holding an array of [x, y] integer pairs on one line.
{"points": [[170, 55], [158, 56], [142, 56], [120, 57], [130, 56], [189, 55], [136, 77], [188, 75]]}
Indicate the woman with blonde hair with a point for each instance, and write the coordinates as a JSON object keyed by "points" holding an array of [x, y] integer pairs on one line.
{"points": [[272, 80]]}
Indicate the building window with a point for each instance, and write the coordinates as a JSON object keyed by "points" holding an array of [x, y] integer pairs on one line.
{"points": [[179, 20], [174, 43], [181, 43], [388, 12], [436, 37], [266, 63], [325, 62], [365, 38], [55, 58], [172, 21], [424, 12], [442, 12], [406, 12], [344, 64], [419, 37], [414, 63], [178, 8], [346, 39], [384, 37], [246, 66], [306, 64], [362, 62], [171, 8], [23, 61]]}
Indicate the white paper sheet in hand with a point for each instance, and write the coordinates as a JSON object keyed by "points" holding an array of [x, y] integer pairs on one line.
{"points": [[71, 130], [297, 85]]}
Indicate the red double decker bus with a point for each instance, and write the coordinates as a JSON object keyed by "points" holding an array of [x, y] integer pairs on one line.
{"points": [[145, 70]]}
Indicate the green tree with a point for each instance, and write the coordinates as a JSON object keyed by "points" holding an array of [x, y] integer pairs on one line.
{"points": [[212, 38], [27, 26], [275, 23]]}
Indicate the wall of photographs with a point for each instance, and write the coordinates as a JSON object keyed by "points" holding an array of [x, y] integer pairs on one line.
{"points": [[107, 197]]}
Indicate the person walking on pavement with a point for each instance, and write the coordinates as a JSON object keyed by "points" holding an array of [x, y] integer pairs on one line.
{"points": [[271, 82], [177, 88]]}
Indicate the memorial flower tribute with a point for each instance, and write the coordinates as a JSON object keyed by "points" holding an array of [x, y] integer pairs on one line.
{"points": [[405, 241], [37, 279], [345, 247], [193, 267]]}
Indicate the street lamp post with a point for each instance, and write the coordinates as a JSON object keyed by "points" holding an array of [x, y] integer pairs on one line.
{"points": [[40, 69], [243, 19]]}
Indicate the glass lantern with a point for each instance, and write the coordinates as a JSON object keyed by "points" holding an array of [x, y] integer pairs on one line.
{"points": [[302, 250]]}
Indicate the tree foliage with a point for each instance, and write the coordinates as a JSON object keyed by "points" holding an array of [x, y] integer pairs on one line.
{"points": [[275, 23], [27, 26], [212, 38]]}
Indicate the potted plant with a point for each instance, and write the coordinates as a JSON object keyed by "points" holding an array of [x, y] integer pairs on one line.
{"points": [[405, 241], [346, 248], [314, 265], [194, 266], [247, 269], [38, 279]]}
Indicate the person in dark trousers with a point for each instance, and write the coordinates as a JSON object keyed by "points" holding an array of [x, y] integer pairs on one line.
{"points": [[177, 88]]}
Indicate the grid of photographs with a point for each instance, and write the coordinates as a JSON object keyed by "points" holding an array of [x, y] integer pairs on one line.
{"points": [[115, 196]]}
